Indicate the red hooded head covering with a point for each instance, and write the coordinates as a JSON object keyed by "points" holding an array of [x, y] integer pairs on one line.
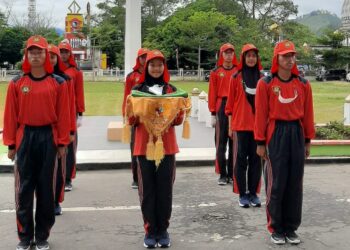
{"points": [[39, 42], [153, 54], [140, 52], [282, 48], [245, 49], [55, 50], [223, 48], [65, 45]]}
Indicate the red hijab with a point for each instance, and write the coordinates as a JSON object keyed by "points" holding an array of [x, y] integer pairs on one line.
{"points": [[223, 48], [282, 48], [247, 47], [140, 52], [153, 54], [39, 42], [65, 45]]}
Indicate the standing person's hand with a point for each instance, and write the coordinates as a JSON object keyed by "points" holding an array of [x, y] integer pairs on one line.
{"points": [[230, 133], [61, 151], [11, 154], [261, 151], [213, 121], [71, 138], [307, 150], [79, 121]]}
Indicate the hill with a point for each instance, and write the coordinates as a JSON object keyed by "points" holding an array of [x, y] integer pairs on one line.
{"points": [[319, 20]]}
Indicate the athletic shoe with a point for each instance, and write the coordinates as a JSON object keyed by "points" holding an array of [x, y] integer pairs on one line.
{"points": [[58, 210], [292, 238], [278, 238], [254, 200], [149, 241], [42, 245], [68, 187], [244, 201], [229, 180], [134, 185], [222, 181], [23, 245], [164, 240]]}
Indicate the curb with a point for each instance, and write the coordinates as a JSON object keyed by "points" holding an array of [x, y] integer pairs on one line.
{"points": [[96, 166]]}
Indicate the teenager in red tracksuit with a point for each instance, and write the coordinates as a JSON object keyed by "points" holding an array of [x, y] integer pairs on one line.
{"points": [[58, 66], [131, 80], [284, 126], [36, 131], [240, 107], [76, 76], [218, 90], [156, 185]]}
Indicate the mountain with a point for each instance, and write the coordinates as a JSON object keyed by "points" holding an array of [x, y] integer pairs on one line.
{"points": [[319, 20], [59, 31]]}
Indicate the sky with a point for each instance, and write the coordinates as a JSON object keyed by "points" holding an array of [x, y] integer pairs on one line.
{"points": [[57, 9]]}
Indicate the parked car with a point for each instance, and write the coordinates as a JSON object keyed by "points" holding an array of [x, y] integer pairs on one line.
{"points": [[301, 73], [348, 77], [207, 76], [265, 72], [331, 74]]}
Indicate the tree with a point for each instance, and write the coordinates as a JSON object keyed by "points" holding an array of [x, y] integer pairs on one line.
{"points": [[332, 38], [12, 44], [153, 11], [336, 58], [198, 31], [109, 31], [267, 11]]}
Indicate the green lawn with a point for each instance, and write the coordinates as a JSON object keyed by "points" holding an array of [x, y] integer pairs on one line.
{"points": [[105, 98], [330, 150]]}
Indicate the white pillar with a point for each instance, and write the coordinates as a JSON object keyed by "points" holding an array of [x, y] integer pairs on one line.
{"points": [[202, 107], [132, 33], [195, 102], [347, 111]]}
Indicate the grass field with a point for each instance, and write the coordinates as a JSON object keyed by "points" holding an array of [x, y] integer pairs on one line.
{"points": [[105, 98]]}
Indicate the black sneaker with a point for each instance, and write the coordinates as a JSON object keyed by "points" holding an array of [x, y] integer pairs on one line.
{"points": [[42, 245], [229, 180], [149, 241], [68, 187], [164, 240], [278, 238], [254, 200], [134, 185], [244, 201], [24, 245], [58, 210], [222, 181], [292, 238]]}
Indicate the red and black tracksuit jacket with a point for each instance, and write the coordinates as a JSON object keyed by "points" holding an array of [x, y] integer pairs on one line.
{"points": [[242, 122], [284, 121], [219, 82], [76, 76], [131, 80], [156, 184], [36, 122], [61, 169]]}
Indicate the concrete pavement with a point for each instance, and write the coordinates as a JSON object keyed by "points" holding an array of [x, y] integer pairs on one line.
{"points": [[102, 212]]}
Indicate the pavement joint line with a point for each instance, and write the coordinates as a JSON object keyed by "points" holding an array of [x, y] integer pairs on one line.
{"points": [[116, 208]]}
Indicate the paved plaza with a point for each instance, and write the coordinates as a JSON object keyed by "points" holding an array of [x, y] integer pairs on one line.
{"points": [[102, 212]]}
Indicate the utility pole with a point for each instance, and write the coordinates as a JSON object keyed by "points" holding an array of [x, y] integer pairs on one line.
{"points": [[199, 61]]}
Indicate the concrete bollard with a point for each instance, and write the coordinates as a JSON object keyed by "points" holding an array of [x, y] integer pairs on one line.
{"points": [[195, 102], [208, 117], [202, 107], [347, 110]]}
